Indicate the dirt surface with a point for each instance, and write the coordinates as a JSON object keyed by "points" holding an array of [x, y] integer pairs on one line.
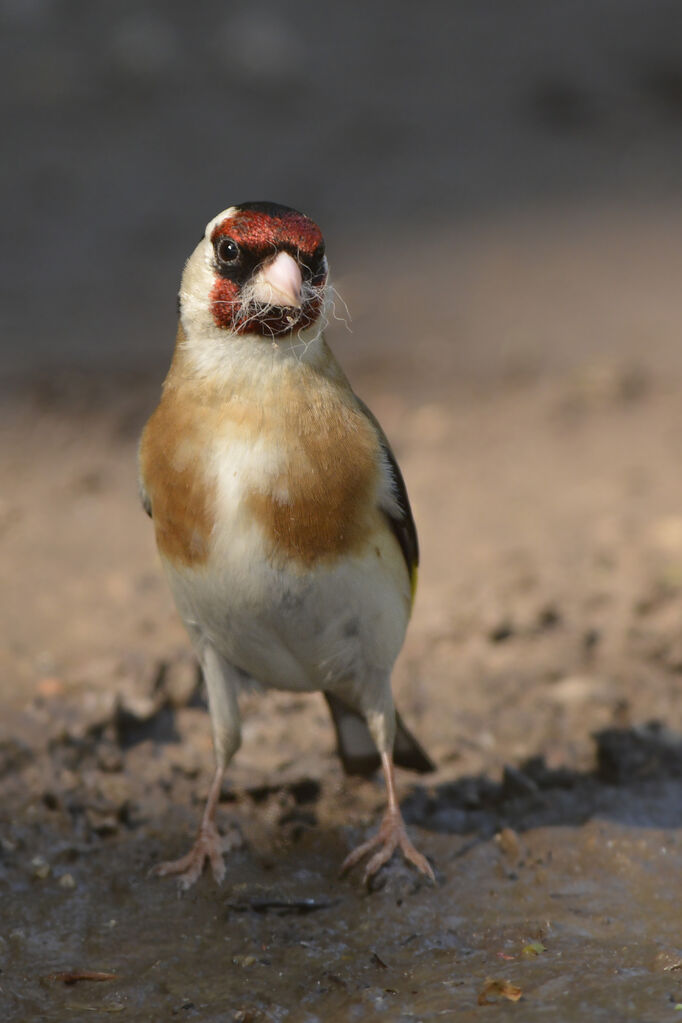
{"points": [[535, 410]]}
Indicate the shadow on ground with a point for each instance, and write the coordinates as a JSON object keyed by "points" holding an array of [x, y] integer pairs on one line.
{"points": [[636, 782]]}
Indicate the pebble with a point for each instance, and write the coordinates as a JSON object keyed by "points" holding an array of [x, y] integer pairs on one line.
{"points": [[180, 680], [244, 960], [40, 867], [508, 842]]}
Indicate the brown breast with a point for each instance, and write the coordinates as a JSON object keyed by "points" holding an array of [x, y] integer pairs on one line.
{"points": [[323, 501], [318, 504], [172, 468], [182, 499]]}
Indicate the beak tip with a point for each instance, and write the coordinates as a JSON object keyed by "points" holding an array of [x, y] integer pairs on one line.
{"points": [[281, 280]]}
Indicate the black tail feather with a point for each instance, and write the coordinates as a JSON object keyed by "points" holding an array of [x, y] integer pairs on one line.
{"points": [[356, 747]]}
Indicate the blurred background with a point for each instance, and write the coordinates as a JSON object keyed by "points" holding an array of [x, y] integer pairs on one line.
{"points": [[396, 126], [500, 188]]}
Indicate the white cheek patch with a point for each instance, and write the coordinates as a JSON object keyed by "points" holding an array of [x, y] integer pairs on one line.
{"points": [[195, 288], [198, 279]]}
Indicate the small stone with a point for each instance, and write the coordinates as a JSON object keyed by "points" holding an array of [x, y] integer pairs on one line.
{"points": [[243, 961], [40, 868], [67, 881], [115, 791], [501, 632], [574, 690], [548, 617], [591, 639], [667, 960], [246, 1016], [508, 842], [181, 678], [101, 822]]}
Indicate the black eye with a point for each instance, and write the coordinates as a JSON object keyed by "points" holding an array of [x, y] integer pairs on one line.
{"points": [[227, 250]]}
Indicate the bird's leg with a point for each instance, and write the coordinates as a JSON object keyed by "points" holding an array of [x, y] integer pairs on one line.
{"points": [[392, 833], [210, 845]]}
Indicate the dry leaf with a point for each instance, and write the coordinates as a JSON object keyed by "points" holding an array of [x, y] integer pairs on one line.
{"points": [[494, 989]]}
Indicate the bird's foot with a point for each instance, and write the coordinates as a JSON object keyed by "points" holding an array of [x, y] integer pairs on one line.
{"points": [[390, 836], [210, 845]]}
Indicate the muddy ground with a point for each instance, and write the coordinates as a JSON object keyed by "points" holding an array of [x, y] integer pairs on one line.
{"points": [[536, 413]]}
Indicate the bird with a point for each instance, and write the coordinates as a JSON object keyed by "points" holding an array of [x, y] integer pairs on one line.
{"points": [[280, 514]]}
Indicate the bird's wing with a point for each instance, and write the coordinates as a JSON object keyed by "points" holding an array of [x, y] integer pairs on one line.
{"points": [[396, 505], [141, 488], [355, 745]]}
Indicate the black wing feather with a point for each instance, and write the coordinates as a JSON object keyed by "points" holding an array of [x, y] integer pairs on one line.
{"points": [[402, 525]]}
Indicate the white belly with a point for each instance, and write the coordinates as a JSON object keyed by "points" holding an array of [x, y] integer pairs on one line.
{"points": [[333, 626]]}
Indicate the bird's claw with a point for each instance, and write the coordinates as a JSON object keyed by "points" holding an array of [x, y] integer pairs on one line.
{"points": [[210, 846], [390, 836]]}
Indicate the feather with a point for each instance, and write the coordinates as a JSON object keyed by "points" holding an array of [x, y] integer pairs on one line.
{"points": [[356, 748], [143, 494], [398, 512]]}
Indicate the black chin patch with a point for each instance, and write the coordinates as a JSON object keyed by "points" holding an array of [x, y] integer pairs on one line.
{"points": [[275, 320]]}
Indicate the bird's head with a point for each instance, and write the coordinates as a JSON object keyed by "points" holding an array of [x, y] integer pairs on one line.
{"points": [[259, 269]]}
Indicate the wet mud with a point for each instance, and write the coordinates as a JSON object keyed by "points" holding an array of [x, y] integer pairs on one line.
{"points": [[555, 892]]}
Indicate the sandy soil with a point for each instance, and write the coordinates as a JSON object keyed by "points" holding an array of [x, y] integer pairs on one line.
{"points": [[535, 410]]}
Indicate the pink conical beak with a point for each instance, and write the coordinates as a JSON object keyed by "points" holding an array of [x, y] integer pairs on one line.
{"points": [[280, 282]]}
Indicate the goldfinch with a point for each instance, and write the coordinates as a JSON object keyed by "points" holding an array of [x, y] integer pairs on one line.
{"points": [[281, 516]]}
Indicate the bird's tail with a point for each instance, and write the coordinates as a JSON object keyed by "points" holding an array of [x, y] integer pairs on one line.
{"points": [[356, 747]]}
